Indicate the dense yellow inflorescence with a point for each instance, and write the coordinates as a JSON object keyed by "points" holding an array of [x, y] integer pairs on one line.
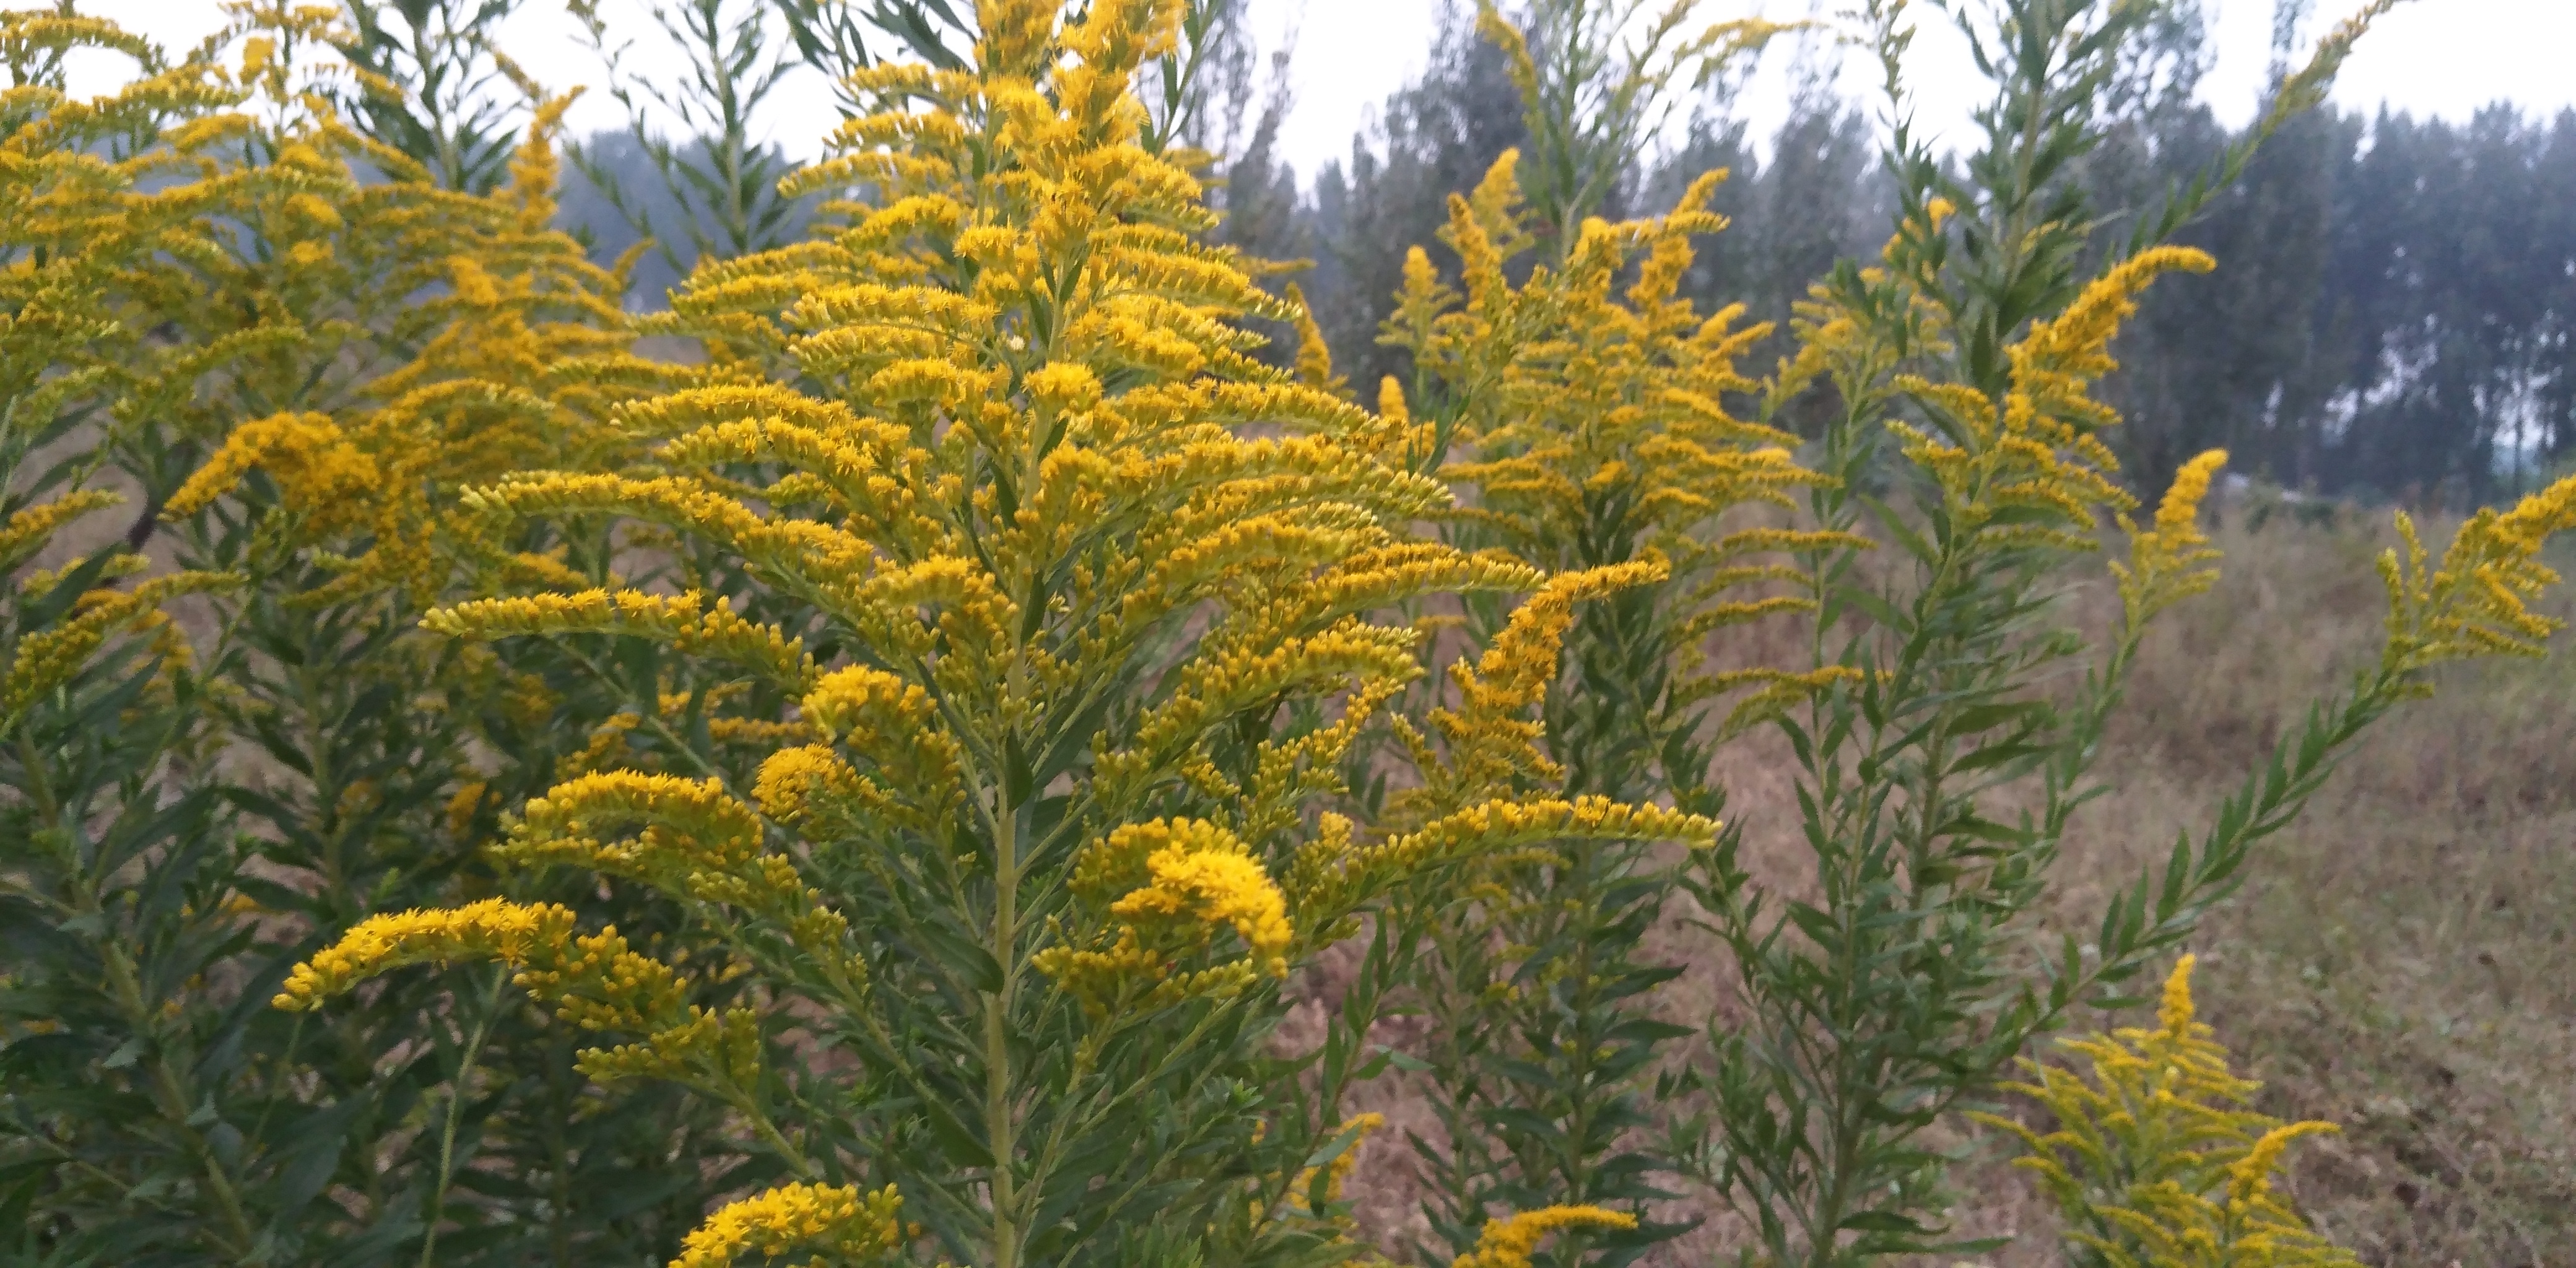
{"points": [[594, 981], [2155, 1161], [1593, 427], [46, 659], [2476, 602], [987, 453], [404, 401], [838, 1224], [2031, 467], [2169, 561], [1508, 1243]]}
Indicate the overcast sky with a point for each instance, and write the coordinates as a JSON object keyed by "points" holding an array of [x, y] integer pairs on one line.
{"points": [[2445, 57]]}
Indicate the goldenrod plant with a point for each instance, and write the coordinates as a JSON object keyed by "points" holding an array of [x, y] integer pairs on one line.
{"points": [[1584, 415], [1047, 603], [302, 345], [2156, 1161], [956, 757], [1938, 780], [97, 696]]}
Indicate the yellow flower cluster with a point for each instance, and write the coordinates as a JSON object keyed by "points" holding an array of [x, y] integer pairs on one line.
{"points": [[48, 658], [595, 981], [690, 622], [2035, 459], [893, 723], [28, 529], [1334, 874], [1221, 883], [687, 827], [1072, 565], [1491, 739], [1040, 443], [1594, 415], [407, 401], [2166, 562], [1359, 1127], [323, 475], [839, 1224], [2155, 1161], [1508, 1243], [494, 929], [1169, 885], [691, 839], [2477, 602], [97, 233]]}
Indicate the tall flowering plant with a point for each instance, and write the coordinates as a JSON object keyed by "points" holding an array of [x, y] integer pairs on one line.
{"points": [[293, 347], [1587, 415], [1583, 417], [1941, 771], [1041, 607]]}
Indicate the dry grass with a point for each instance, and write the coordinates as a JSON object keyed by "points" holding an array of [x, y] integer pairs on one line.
{"points": [[2398, 962]]}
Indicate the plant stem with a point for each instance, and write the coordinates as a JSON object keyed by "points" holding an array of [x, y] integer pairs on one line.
{"points": [[1000, 1127], [472, 1053]]}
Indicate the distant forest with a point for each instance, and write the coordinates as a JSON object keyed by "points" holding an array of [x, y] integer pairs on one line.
{"points": [[2391, 317]]}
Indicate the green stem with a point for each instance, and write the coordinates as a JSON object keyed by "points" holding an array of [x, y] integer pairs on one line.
{"points": [[472, 1053], [1001, 1128]]}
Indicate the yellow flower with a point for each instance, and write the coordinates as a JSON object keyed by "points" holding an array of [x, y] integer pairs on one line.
{"points": [[46, 659], [1508, 1243], [1314, 356], [1359, 1127], [1487, 829], [494, 929], [2165, 562], [462, 805], [2155, 1160], [2177, 1012], [27, 531], [839, 1222], [1591, 411], [2035, 458], [1212, 885], [594, 981], [2477, 602], [1169, 885], [321, 472], [691, 622]]}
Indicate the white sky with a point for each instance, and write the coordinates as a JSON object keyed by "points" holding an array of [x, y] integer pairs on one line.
{"points": [[2442, 57]]}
